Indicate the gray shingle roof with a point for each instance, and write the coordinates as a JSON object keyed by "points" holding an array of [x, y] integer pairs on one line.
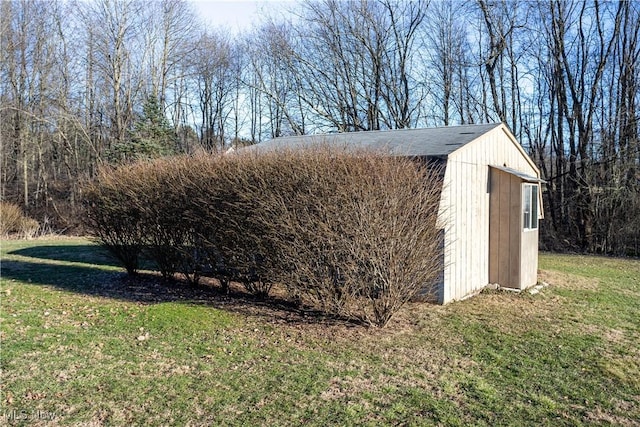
{"points": [[437, 142]]}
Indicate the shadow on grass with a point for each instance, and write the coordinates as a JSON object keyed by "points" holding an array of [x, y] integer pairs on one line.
{"points": [[90, 254], [150, 288]]}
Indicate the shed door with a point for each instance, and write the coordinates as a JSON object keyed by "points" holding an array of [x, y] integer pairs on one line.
{"points": [[505, 211]]}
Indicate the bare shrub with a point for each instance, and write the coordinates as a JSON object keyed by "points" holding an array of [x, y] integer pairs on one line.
{"points": [[173, 234], [160, 209], [112, 215], [145, 208], [13, 221], [350, 233], [10, 218], [353, 233], [222, 209]]}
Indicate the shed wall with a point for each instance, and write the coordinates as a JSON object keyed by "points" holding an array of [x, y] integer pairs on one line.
{"points": [[464, 209]]}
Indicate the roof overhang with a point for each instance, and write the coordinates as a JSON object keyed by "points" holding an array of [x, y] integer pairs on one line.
{"points": [[529, 179], [523, 176]]}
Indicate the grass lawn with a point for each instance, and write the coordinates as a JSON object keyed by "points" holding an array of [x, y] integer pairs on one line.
{"points": [[82, 345]]}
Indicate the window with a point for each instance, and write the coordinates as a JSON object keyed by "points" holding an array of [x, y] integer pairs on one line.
{"points": [[530, 206]]}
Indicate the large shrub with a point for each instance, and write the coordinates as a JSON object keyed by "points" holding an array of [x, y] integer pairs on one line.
{"points": [[161, 200], [353, 233], [138, 209], [350, 233], [113, 215], [221, 210], [180, 216]]}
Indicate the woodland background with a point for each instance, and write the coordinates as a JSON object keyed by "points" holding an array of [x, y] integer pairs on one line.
{"points": [[84, 84]]}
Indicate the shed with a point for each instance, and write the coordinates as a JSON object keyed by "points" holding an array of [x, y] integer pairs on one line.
{"points": [[490, 204]]}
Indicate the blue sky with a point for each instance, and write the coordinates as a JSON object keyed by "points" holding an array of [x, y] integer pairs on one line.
{"points": [[236, 14]]}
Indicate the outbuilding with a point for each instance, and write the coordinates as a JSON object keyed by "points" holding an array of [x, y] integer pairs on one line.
{"points": [[490, 204]]}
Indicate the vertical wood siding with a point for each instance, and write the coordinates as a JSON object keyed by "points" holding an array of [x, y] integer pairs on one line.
{"points": [[529, 259], [464, 209]]}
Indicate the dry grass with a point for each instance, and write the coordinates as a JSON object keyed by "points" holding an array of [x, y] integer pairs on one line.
{"points": [[14, 223]]}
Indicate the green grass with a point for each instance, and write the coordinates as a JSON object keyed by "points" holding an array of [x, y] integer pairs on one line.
{"points": [[83, 345]]}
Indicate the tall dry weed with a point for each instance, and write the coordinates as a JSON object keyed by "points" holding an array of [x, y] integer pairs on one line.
{"points": [[14, 222]]}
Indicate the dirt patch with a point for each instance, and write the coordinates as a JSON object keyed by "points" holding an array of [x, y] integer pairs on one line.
{"points": [[630, 293], [568, 281], [599, 416], [614, 335], [339, 388]]}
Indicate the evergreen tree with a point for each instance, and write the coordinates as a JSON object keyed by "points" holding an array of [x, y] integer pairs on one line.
{"points": [[151, 137]]}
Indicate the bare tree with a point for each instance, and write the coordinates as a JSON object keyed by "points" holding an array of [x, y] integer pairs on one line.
{"points": [[275, 81], [113, 59], [212, 70], [501, 20], [445, 38], [169, 41], [28, 75], [402, 92], [577, 77], [355, 60]]}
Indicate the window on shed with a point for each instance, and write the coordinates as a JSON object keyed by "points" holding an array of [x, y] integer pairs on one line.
{"points": [[530, 206]]}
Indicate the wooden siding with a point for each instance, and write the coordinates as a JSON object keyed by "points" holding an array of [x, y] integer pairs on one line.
{"points": [[464, 209], [529, 259], [505, 227]]}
